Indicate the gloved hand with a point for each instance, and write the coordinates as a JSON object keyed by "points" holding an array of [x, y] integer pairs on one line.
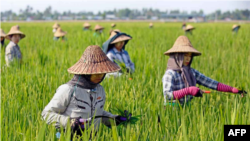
{"points": [[186, 91], [119, 119], [242, 92], [76, 125], [193, 90]]}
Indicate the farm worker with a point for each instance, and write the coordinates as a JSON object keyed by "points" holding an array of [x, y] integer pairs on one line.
{"points": [[55, 27], [113, 25], [183, 26], [86, 26], [117, 30], [235, 28], [189, 29], [151, 25], [12, 51], [114, 47], [60, 34], [98, 30], [83, 97], [179, 80], [3, 36]]}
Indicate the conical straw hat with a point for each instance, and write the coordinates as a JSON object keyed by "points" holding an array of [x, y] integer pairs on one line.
{"points": [[93, 61], [15, 30], [86, 25], [120, 38], [2, 33], [56, 25], [150, 24], [189, 27], [182, 45], [18, 27], [113, 25], [98, 27], [111, 32], [235, 25], [59, 32]]}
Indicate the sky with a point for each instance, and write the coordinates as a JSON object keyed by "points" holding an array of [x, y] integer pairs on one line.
{"points": [[101, 5]]}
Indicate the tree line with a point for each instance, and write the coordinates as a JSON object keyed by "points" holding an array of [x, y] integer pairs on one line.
{"points": [[148, 13]]}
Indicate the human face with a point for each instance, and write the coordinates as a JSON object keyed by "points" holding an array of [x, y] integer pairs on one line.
{"points": [[15, 38], [187, 59], [96, 78], [119, 45]]}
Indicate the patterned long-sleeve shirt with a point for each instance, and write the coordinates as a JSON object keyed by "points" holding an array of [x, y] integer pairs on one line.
{"points": [[12, 52], [121, 56], [172, 81]]}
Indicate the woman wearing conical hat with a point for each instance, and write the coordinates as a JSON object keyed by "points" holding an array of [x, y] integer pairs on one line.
{"points": [[12, 51], [3, 36], [151, 25], [179, 80], [112, 30], [189, 29], [98, 30], [55, 27], [183, 27], [82, 99], [114, 47], [60, 34], [113, 25], [86, 26], [235, 28]]}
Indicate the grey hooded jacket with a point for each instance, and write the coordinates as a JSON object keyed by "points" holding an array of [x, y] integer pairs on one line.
{"points": [[72, 102]]}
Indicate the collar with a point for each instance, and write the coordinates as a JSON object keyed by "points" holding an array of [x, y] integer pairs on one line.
{"points": [[91, 90], [116, 51], [13, 43]]}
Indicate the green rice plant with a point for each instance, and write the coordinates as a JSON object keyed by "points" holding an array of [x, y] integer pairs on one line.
{"points": [[27, 89]]}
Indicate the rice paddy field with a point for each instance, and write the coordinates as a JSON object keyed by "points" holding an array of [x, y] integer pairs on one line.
{"points": [[27, 89]]}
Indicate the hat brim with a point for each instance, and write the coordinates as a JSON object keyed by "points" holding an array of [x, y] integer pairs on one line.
{"points": [[88, 68], [99, 28], [121, 38], [60, 34], [3, 35], [54, 26], [235, 27], [189, 29], [183, 49], [15, 32]]}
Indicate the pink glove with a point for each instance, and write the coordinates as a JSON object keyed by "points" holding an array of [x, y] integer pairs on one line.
{"points": [[186, 91], [225, 88]]}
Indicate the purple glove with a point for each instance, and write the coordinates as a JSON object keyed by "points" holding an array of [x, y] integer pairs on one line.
{"points": [[186, 91], [119, 119]]}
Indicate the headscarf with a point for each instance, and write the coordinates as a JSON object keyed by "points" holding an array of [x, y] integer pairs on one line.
{"points": [[83, 81], [175, 62]]}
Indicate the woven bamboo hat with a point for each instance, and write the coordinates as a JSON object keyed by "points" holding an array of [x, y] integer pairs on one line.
{"points": [[189, 27], [2, 33], [111, 31], [150, 24], [15, 30], [93, 61], [113, 25], [86, 25], [56, 25], [183, 45], [120, 38], [98, 27], [235, 26], [59, 32]]}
